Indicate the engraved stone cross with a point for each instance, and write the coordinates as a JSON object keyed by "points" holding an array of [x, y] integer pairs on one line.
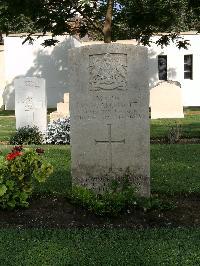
{"points": [[110, 142]]}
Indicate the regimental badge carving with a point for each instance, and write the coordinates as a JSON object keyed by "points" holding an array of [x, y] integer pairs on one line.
{"points": [[28, 103], [108, 72]]}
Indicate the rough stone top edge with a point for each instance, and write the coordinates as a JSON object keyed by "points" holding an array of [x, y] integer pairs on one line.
{"points": [[168, 82], [36, 34], [130, 41], [33, 77], [97, 45], [181, 33]]}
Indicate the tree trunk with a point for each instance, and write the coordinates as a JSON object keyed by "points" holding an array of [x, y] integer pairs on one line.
{"points": [[1, 38], [108, 21]]}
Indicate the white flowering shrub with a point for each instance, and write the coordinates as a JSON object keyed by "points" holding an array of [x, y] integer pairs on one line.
{"points": [[58, 132]]}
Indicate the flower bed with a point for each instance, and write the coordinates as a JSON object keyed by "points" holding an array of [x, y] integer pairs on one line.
{"points": [[19, 170]]}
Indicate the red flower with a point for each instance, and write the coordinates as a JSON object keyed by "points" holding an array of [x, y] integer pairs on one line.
{"points": [[12, 155]]}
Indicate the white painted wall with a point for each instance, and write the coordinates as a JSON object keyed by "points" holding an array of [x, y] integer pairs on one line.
{"points": [[2, 74], [52, 64], [175, 61], [27, 60]]}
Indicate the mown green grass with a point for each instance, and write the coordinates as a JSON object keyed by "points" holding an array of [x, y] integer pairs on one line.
{"points": [[7, 127], [100, 247], [159, 127], [7, 112], [175, 169], [190, 126], [58, 183]]}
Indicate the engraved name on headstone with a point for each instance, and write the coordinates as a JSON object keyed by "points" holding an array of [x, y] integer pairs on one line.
{"points": [[109, 107], [30, 102]]}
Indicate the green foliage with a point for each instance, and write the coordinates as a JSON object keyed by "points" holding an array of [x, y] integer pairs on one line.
{"points": [[117, 199], [131, 18], [18, 172], [140, 19], [174, 134], [109, 203], [27, 135]]}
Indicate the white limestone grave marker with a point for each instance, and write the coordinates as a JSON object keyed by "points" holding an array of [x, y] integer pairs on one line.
{"points": [[30, 102], [109, 108], [166, 100]]}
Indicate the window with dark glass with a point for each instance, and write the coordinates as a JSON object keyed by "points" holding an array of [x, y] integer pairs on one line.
{"points": [[188, 64], [162, 67]]}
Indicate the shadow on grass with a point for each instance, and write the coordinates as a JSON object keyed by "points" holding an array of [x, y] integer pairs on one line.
{"points": [[57, 184], [175, 169]]}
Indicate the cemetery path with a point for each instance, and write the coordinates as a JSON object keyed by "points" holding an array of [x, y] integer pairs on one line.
{"points": [[57, 212]]}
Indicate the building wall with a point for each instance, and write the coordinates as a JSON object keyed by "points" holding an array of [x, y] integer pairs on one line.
{"points": [[29, 60], [2, 74], [175, 62], [52, 64]]}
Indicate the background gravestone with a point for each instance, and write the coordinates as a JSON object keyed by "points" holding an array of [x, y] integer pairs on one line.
{"points": [[62, 109], [166, 100], [109, 114], [30, 103]]}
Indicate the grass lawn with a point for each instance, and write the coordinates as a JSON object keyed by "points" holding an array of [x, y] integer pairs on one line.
{"points": [[190, 126], [175, 169], [159, 127], [7, 127], [100, 247]]}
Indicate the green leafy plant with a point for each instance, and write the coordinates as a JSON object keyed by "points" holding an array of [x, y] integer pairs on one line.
{"points": [[174, 134], [109, 203], [112, 203], [19, 171], [120, 196], [27, 135]]}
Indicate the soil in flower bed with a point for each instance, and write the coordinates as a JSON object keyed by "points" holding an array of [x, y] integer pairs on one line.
{"points": [[57, 212]]}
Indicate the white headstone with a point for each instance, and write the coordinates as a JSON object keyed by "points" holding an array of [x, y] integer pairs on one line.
{"points": [[62, 109], [1, 98], [166, 100], [30, 102], [109, 109]]}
